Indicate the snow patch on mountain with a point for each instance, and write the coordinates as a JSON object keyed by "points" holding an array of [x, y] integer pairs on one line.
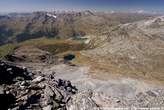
{"points": [[159, 19], [51, 15]]}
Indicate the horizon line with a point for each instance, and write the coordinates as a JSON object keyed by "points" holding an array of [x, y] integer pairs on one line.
{"points": [[92, 10]]}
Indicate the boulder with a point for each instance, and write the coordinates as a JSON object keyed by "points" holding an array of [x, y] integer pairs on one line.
{"points": [[38, 79], [49, 107], [1, 90], [48, 91]]}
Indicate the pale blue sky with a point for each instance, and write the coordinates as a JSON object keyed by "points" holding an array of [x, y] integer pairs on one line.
{"points": [[50, 5]]}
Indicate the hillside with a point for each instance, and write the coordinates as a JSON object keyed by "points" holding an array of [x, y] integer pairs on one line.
{"points": [[132, 49]]}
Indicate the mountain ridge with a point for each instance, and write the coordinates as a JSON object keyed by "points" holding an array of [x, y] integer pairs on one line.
{"points": [[24, 26]]}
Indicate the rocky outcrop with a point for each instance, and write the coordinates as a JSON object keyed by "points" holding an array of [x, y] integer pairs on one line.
{"points": [[20, 90], [23, 90]]}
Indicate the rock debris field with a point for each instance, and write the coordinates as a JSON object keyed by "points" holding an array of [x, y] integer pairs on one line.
{"points": [[20, 89]]}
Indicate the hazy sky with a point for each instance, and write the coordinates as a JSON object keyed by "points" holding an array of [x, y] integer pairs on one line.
{"points": [[50, 5]]}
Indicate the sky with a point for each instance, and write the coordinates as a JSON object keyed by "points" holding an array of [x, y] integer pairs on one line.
{"points": [[97, 5]]}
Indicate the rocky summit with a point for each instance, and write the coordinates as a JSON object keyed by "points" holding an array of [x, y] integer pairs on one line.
{"points": [[21, 89]]}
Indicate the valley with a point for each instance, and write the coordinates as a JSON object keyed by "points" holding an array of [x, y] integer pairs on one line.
{"points": [[114, 59]]}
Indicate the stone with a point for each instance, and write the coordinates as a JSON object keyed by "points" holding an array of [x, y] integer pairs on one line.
{"points": [[58, 95], [24, 83], [42, 85], [60, 82], [67, 98], [69, 89], [34, 87], [48, 91], [49, 107], [38, 79], [68, 84], [152, 93], [82, 101], [74, 91], [1, 91], [56, 104], [9, 69]]}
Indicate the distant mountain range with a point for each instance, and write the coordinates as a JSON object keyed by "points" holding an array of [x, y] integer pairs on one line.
{"points": [[17, 27]]}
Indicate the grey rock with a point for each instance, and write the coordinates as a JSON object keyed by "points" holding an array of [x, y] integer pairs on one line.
{"points": [[58, 95], [48, 91], [42, 85], [34, 87], [69, 89], [56, 105], [68, 84], [82, 101], [1, 90], [38, 79], [152, 93], [49, 107], [9, 69]]}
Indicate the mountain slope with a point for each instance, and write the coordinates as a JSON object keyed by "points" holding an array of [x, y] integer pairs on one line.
{"points": [[132, 49]]}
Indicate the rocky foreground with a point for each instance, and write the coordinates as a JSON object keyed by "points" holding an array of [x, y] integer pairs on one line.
{"points": [[20, 89]]}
